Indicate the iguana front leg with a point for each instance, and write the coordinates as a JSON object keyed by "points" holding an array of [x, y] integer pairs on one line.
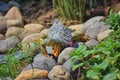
{"points": [[44, 51], [57, 49]]}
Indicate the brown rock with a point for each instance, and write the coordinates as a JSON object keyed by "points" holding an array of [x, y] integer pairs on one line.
{"points": [[14, 22], [34, 27], [19, 32], [44, 33], [33, 73], [59, 73], [32, 37], [3, 27], [14, 13], [76, 27], [2, 37], [119, 12], [101, 36]]}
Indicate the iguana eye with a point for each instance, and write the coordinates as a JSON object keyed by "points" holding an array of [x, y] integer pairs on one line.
{"points": [[64, 35]]}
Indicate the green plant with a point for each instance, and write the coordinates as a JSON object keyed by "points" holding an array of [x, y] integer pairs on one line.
{"points": [[100, 63], [113, 20], [70, 9], [13, 66], [10, 69]]}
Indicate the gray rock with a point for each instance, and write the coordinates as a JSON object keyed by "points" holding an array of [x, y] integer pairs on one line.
{"points": [[94, 26], [91, 43], [68, 65], [94, 29], [14, 3], [6, 79], [18, 55], [91, 22], [10, 42], [3, 27], [2, 58], [59, 73], [1, 14], [49, 49], [41, 62], [65, 54], [4, 7]]}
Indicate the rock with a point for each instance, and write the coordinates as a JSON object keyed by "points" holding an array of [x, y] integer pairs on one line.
{"points": [[18, 55], [14, 13], [1, 14], [33, 73], [10, 42], [6, 79], [34, 27], [91, 21], [49, 49], [14, 3], [59, 73], [91, 43], [119, 12], [14, 22], [19, 32], [101, 36], [29, 42], [95, 29], [68, 65], [32, 37], [41, 62], [104, 27], [4, 7], [65, 54], [2, 58], [3, 27], [44, 33], [2, 37], [77, 27], [76, 45]]}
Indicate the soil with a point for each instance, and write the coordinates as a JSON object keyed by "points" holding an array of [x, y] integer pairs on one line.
{"points": [[36, 11]]}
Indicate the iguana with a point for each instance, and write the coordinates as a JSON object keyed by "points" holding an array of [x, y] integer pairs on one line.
{"points": [[58, 36]]}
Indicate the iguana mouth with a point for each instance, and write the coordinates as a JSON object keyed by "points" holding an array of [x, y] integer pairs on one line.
{"points": [[69, 42]]}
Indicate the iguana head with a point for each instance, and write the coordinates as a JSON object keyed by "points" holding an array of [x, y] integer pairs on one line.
{"points": [[59, 33]]}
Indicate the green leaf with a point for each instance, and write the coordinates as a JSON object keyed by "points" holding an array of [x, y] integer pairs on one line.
{"points": [[92, 74], [110, 76], [75, 66], [103, 65]]}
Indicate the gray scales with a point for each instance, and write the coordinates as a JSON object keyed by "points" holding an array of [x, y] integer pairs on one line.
{"points": [[57, 35]]}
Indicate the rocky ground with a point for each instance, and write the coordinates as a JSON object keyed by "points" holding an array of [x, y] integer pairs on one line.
{"points": [[15, 28]]}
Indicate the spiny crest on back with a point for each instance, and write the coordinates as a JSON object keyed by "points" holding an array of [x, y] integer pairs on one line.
{"points": [[59, 33]]}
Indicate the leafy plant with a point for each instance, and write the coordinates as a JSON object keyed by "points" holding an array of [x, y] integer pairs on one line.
{"points": [[113, 20], [13, 66], [100, 63], [10, 68]]}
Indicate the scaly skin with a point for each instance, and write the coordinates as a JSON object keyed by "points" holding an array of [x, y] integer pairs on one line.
{"points": [[58, 36]]}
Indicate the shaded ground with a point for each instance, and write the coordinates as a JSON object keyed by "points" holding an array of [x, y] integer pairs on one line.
{"points": [[41, 11]]}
